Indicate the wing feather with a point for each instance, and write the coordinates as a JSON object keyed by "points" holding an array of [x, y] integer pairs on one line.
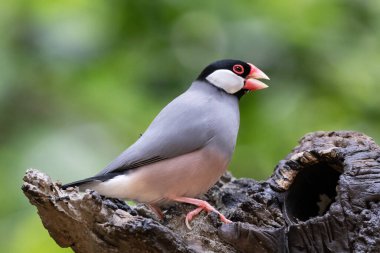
{"points": [[181, 127]]}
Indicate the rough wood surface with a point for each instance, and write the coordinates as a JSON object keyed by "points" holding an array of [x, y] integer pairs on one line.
{"points": [[323, 197]]}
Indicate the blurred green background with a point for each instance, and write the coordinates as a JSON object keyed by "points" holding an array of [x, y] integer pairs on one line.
{"points": [[80, 80]]}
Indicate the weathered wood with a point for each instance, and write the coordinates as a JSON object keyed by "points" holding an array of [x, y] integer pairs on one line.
{"points": [[323, 197]]}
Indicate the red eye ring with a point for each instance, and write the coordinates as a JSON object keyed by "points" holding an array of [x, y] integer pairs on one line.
{"points": [[238, 69]]}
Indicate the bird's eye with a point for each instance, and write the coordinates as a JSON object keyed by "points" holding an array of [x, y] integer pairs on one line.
{"points": [[238, 69]]}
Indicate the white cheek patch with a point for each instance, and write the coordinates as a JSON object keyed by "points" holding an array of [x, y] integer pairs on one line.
{"points": [[226, 80]]}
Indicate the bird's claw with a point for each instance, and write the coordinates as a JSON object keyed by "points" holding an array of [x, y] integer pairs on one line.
{"points": [[224, 219], [202, 205], [196, 211]]}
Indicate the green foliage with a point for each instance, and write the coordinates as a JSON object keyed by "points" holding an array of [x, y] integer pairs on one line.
{"points": [[80, 80]]}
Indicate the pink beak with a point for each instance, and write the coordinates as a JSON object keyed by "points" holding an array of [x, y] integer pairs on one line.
{"points": [[251, 82]]}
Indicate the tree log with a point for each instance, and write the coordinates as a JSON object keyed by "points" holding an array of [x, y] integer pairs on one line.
{"points": [[323, 197]]}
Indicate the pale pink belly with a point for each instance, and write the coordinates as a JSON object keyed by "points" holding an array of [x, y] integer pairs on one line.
{"points": [[188, 175]]}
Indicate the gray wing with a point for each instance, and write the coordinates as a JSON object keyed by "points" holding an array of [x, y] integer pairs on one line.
{"points": [[181, 127]]}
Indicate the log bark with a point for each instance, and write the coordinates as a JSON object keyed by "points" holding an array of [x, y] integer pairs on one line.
{"points": [[323, 197]]}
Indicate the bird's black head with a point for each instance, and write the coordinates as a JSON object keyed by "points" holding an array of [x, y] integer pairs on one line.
{"points": [[233, 76]]}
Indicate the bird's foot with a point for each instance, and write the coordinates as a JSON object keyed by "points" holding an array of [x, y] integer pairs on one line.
{"points": [[157, 211], [202, 205]]}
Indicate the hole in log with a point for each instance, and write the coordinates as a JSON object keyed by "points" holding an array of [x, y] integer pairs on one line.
{"points": [[312, 192]]}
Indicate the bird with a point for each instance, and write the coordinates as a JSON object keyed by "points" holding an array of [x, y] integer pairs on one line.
{"points": [[187, 147]]}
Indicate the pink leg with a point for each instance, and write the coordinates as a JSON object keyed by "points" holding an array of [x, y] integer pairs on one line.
{"points": [[157, 211], [202, 205]]}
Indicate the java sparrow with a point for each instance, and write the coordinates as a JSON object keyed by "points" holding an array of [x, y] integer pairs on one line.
{"points": [[187, 147]]}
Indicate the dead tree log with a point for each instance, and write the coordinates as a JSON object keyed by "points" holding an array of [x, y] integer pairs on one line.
{"points": [[323, 197]]}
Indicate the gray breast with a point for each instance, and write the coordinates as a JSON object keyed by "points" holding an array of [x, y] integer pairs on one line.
{"points": [[223, 118]]}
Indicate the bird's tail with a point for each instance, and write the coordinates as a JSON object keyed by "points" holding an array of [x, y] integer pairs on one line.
{"points": [[82, 183], [78, 183]]}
